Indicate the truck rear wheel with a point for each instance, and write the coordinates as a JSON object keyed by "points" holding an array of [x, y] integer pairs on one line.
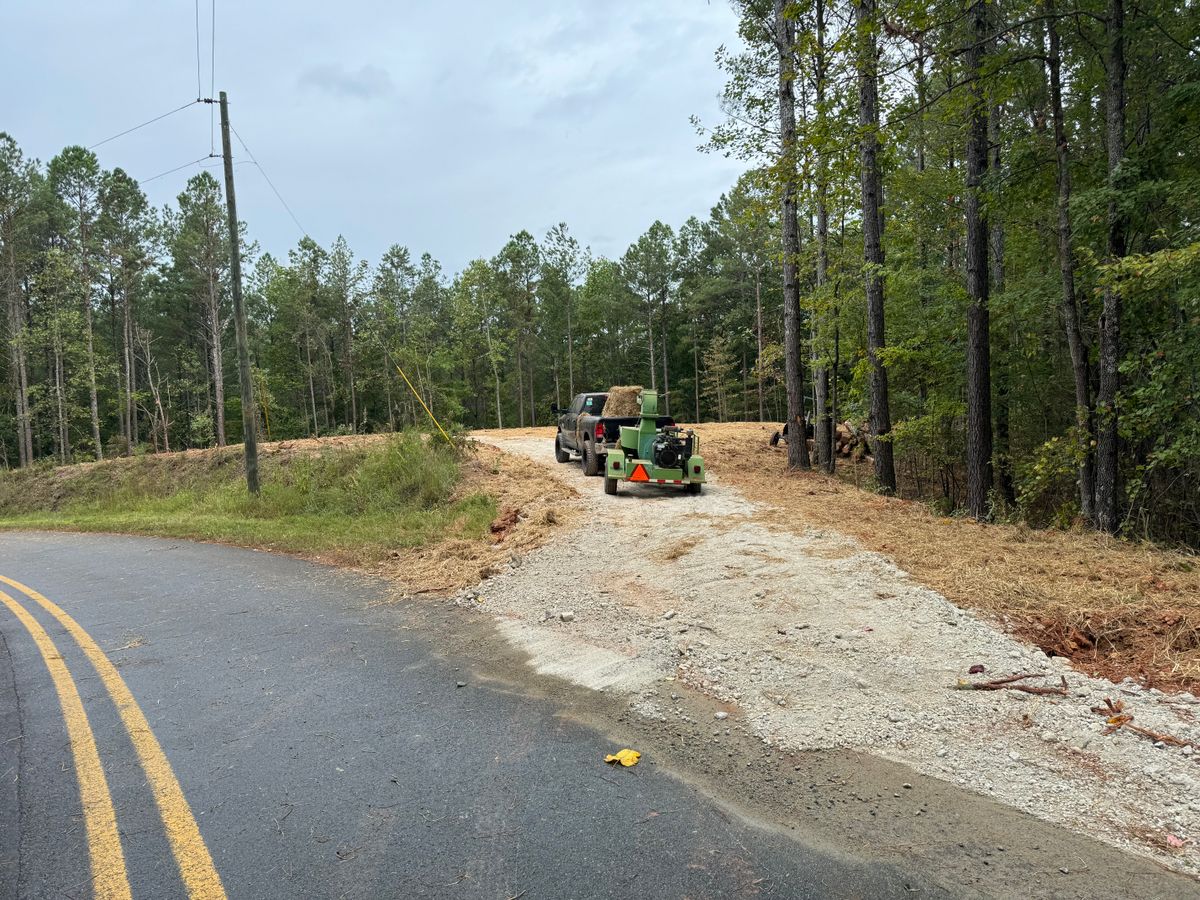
{"points": [[591, 464], [610, 485], [695, 487], [560, 455]]}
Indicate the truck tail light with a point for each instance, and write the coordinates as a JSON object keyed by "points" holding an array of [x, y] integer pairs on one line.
{"points": [[599, 431]]}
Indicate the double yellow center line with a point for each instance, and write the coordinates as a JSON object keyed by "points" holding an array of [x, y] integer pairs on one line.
{"points": [[109, 878]]}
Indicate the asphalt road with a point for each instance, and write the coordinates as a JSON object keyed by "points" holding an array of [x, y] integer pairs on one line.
{"points": [[303, 739]]}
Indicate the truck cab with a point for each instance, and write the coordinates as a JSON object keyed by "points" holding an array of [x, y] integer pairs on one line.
{"points": [[584, 432]]}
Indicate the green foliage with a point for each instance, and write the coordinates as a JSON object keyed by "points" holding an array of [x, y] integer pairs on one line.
{"points": [[496, 343], [362, 501], [1047, 479]]}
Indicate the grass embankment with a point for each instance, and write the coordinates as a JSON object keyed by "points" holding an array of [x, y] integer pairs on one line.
{"points": [[352, 501]]}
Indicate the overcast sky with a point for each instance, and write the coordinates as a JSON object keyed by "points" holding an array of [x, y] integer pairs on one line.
{"points": [[442, 126]]}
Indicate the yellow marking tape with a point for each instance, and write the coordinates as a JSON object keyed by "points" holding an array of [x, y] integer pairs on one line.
{"points": [[196, 867], [109, 879], [422, 402]]}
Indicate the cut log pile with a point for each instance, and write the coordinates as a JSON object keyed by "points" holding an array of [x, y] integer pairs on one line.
{"points": [[850, 440]]}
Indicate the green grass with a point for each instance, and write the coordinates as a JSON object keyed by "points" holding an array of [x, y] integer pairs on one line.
{"points": [[358, 502]]}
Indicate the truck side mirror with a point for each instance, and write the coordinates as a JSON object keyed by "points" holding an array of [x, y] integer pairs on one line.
{"points": [[554, 409]]}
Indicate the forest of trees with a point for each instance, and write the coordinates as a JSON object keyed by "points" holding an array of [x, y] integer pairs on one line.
{"points": [[971, 229]]}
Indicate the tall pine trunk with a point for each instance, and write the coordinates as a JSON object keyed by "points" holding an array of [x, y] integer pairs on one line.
{"points": [[19, 370], [979, 382], [495, 373], [570, 350], [1076, 340], [130, 361], [758, 330], [216, 355], [665, 372], [785, 40], [823, 430], [650, 332], [1002, 378], [872, 227], [1107, 513], [85, 275]]}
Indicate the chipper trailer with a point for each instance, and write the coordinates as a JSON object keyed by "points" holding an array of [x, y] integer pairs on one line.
{"points": [[649, 453]]}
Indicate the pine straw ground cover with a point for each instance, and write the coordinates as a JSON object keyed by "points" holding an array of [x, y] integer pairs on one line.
{"points": [[1115, 608]]}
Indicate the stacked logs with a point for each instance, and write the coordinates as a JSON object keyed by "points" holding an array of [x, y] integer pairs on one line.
{"points": [[850, 440]]}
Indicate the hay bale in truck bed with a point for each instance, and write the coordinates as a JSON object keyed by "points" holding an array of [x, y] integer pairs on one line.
{"points": [[622, 400]]}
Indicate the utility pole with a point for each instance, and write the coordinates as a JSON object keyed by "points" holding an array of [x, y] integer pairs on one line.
{"points": [[239, 310]]}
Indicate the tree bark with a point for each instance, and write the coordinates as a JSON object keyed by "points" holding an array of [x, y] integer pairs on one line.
{"points": [[785, 40], [495, 374], [650, 326], [570, 348], [979, 387], [520, 389], [532, 406], [85, 275], [758, 329], [312, 393], [1107, 513], [216, 355], [873, 258], [1003, 450], [665, 370], [348, 327], [823, 430], [16, 352], [1076, 340]]}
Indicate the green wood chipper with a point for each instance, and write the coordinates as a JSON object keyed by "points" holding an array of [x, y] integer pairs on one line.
{"points": [[652, 454]]}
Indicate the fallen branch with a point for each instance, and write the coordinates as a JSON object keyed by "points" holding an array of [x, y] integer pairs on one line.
{"points": [[1010, 683], [1117, 718]]}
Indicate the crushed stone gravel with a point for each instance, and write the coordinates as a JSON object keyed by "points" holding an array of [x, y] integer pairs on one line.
{"points": [[814, 643]]}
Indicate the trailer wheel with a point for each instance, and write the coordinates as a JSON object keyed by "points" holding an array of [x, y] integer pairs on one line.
{"points": [[591, 465], [560, 455], [695, 487], [610, 485]]}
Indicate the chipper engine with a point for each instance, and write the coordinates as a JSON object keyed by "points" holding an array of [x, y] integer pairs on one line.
{"points": [[648, 454]]}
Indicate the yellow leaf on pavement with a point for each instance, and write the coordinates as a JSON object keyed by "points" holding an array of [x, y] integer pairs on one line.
{"points": [[625, 757]]}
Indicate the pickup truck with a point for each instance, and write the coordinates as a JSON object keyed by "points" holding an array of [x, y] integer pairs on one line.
{"points": [[582, 431]]}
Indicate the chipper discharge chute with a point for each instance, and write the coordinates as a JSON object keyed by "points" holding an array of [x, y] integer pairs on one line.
{"points": [[648, 454]]}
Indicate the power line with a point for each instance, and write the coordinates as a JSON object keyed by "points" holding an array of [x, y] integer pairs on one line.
{"points": [[144, 124], [212, 80], [258, 165], [199, 89], [176, 169]]}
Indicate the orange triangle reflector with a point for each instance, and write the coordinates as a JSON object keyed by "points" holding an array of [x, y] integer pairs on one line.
{"points": [[639, 473]]}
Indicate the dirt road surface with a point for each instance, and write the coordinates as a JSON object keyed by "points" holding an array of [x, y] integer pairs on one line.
{"points": [[811, 645]]}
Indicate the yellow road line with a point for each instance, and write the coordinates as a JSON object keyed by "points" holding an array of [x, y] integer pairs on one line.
{"points": [[196, 867], [109, 879]]}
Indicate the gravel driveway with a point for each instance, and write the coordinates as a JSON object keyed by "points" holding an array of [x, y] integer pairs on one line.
{"points": [[812, 643]]}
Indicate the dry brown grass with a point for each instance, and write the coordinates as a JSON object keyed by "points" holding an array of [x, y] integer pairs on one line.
{"points": [[1114, 607]]}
